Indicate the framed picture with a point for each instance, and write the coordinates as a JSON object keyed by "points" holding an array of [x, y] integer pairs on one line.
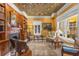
{"points": [[13, 20], [47, 26]]}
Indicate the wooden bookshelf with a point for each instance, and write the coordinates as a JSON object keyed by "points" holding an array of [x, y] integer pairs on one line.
{"points": [[4, 47], [4, 42], [6, 12], [2, 22], [73, 29], [23, 23], [25, 27]]}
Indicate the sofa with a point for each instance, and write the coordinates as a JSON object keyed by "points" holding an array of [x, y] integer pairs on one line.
{"points": [[68, 47]]}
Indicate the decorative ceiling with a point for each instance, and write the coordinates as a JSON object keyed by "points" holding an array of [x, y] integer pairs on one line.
{"points": [[39, 9]]}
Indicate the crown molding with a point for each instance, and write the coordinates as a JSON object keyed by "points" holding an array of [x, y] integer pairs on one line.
{"points": [[39, 16]]}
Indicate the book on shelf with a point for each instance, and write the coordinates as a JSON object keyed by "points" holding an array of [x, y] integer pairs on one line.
{"points": [[1, 22], [1, 16], [1, 28]]}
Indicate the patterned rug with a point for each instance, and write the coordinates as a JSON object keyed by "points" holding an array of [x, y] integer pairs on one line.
{"points": [[43, 48]]}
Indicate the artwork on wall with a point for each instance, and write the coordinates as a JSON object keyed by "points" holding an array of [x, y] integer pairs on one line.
{"points": [[13, 20], [13, 24], [47, 26]]}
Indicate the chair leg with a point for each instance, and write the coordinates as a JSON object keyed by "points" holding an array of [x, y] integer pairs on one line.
{"points": [[62, 51], [55, 45]]}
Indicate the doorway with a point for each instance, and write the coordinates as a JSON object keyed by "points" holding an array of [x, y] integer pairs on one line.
{"points": [[37, 28]]}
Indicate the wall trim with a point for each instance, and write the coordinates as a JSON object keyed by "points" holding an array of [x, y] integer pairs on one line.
{"points": [[39, 16], [65, 8], [17, 10], [67, 14]]}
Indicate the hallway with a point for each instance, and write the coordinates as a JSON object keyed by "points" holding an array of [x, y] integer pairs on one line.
{"points": [[43, 48]]}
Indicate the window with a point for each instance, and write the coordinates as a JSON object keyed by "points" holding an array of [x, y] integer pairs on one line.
{"points": [[35, 28], [38, 28]]}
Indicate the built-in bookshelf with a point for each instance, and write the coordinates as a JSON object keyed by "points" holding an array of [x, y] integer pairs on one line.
{"points": [[2, 22], [72, 26], [22, 24], [24, 28], [73, 29], [4, 42]]}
